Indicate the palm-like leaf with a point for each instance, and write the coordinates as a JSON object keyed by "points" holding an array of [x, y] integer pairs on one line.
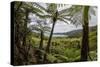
{"points": [[40, 25], [39, 6], [77, 14], [62, 20], [51, 10]]}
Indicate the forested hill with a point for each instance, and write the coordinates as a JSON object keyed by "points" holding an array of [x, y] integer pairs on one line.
{"points": [[76, 33]]}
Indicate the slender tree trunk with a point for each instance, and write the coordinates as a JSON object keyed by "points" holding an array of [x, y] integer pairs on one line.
{"points": [[24, 38], [25, 30], [85, 40], [49, 41], [53, 25], [48, 44], [39, 53], [41, 42]]}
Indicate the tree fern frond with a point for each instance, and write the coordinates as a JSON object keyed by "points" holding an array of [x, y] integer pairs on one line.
{"points": [[71, 11], [64, 11], [32, 8], [62, 20], [39, 7]]}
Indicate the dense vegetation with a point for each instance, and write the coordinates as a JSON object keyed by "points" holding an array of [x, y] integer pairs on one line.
{"points": [[33, 46], [67, 49]]}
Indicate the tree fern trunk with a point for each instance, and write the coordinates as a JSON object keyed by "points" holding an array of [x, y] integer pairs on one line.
{"points": [[24, 38], [49, 41], [41, 41], [85, 40], [48, 45], [40, 48]]}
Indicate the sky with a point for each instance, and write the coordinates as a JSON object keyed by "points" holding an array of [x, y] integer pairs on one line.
{"points": [[61, 27]]}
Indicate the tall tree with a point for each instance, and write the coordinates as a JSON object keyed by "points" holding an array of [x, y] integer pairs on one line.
{"points": [[42, 27], [81, 15], [85, 38], [55, 15]]}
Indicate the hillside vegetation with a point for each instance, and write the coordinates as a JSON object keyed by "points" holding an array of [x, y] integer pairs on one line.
{"points": [[67, 49]]}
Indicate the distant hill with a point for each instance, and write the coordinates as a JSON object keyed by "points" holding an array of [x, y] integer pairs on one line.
{"points": [[76, 33]]}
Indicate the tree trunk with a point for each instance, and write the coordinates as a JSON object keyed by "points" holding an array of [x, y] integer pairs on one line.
{"points": [[25, 29], [39, 53], [41, 42], [24, 39], [48, 45], [49, 41], [85, 40]]}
